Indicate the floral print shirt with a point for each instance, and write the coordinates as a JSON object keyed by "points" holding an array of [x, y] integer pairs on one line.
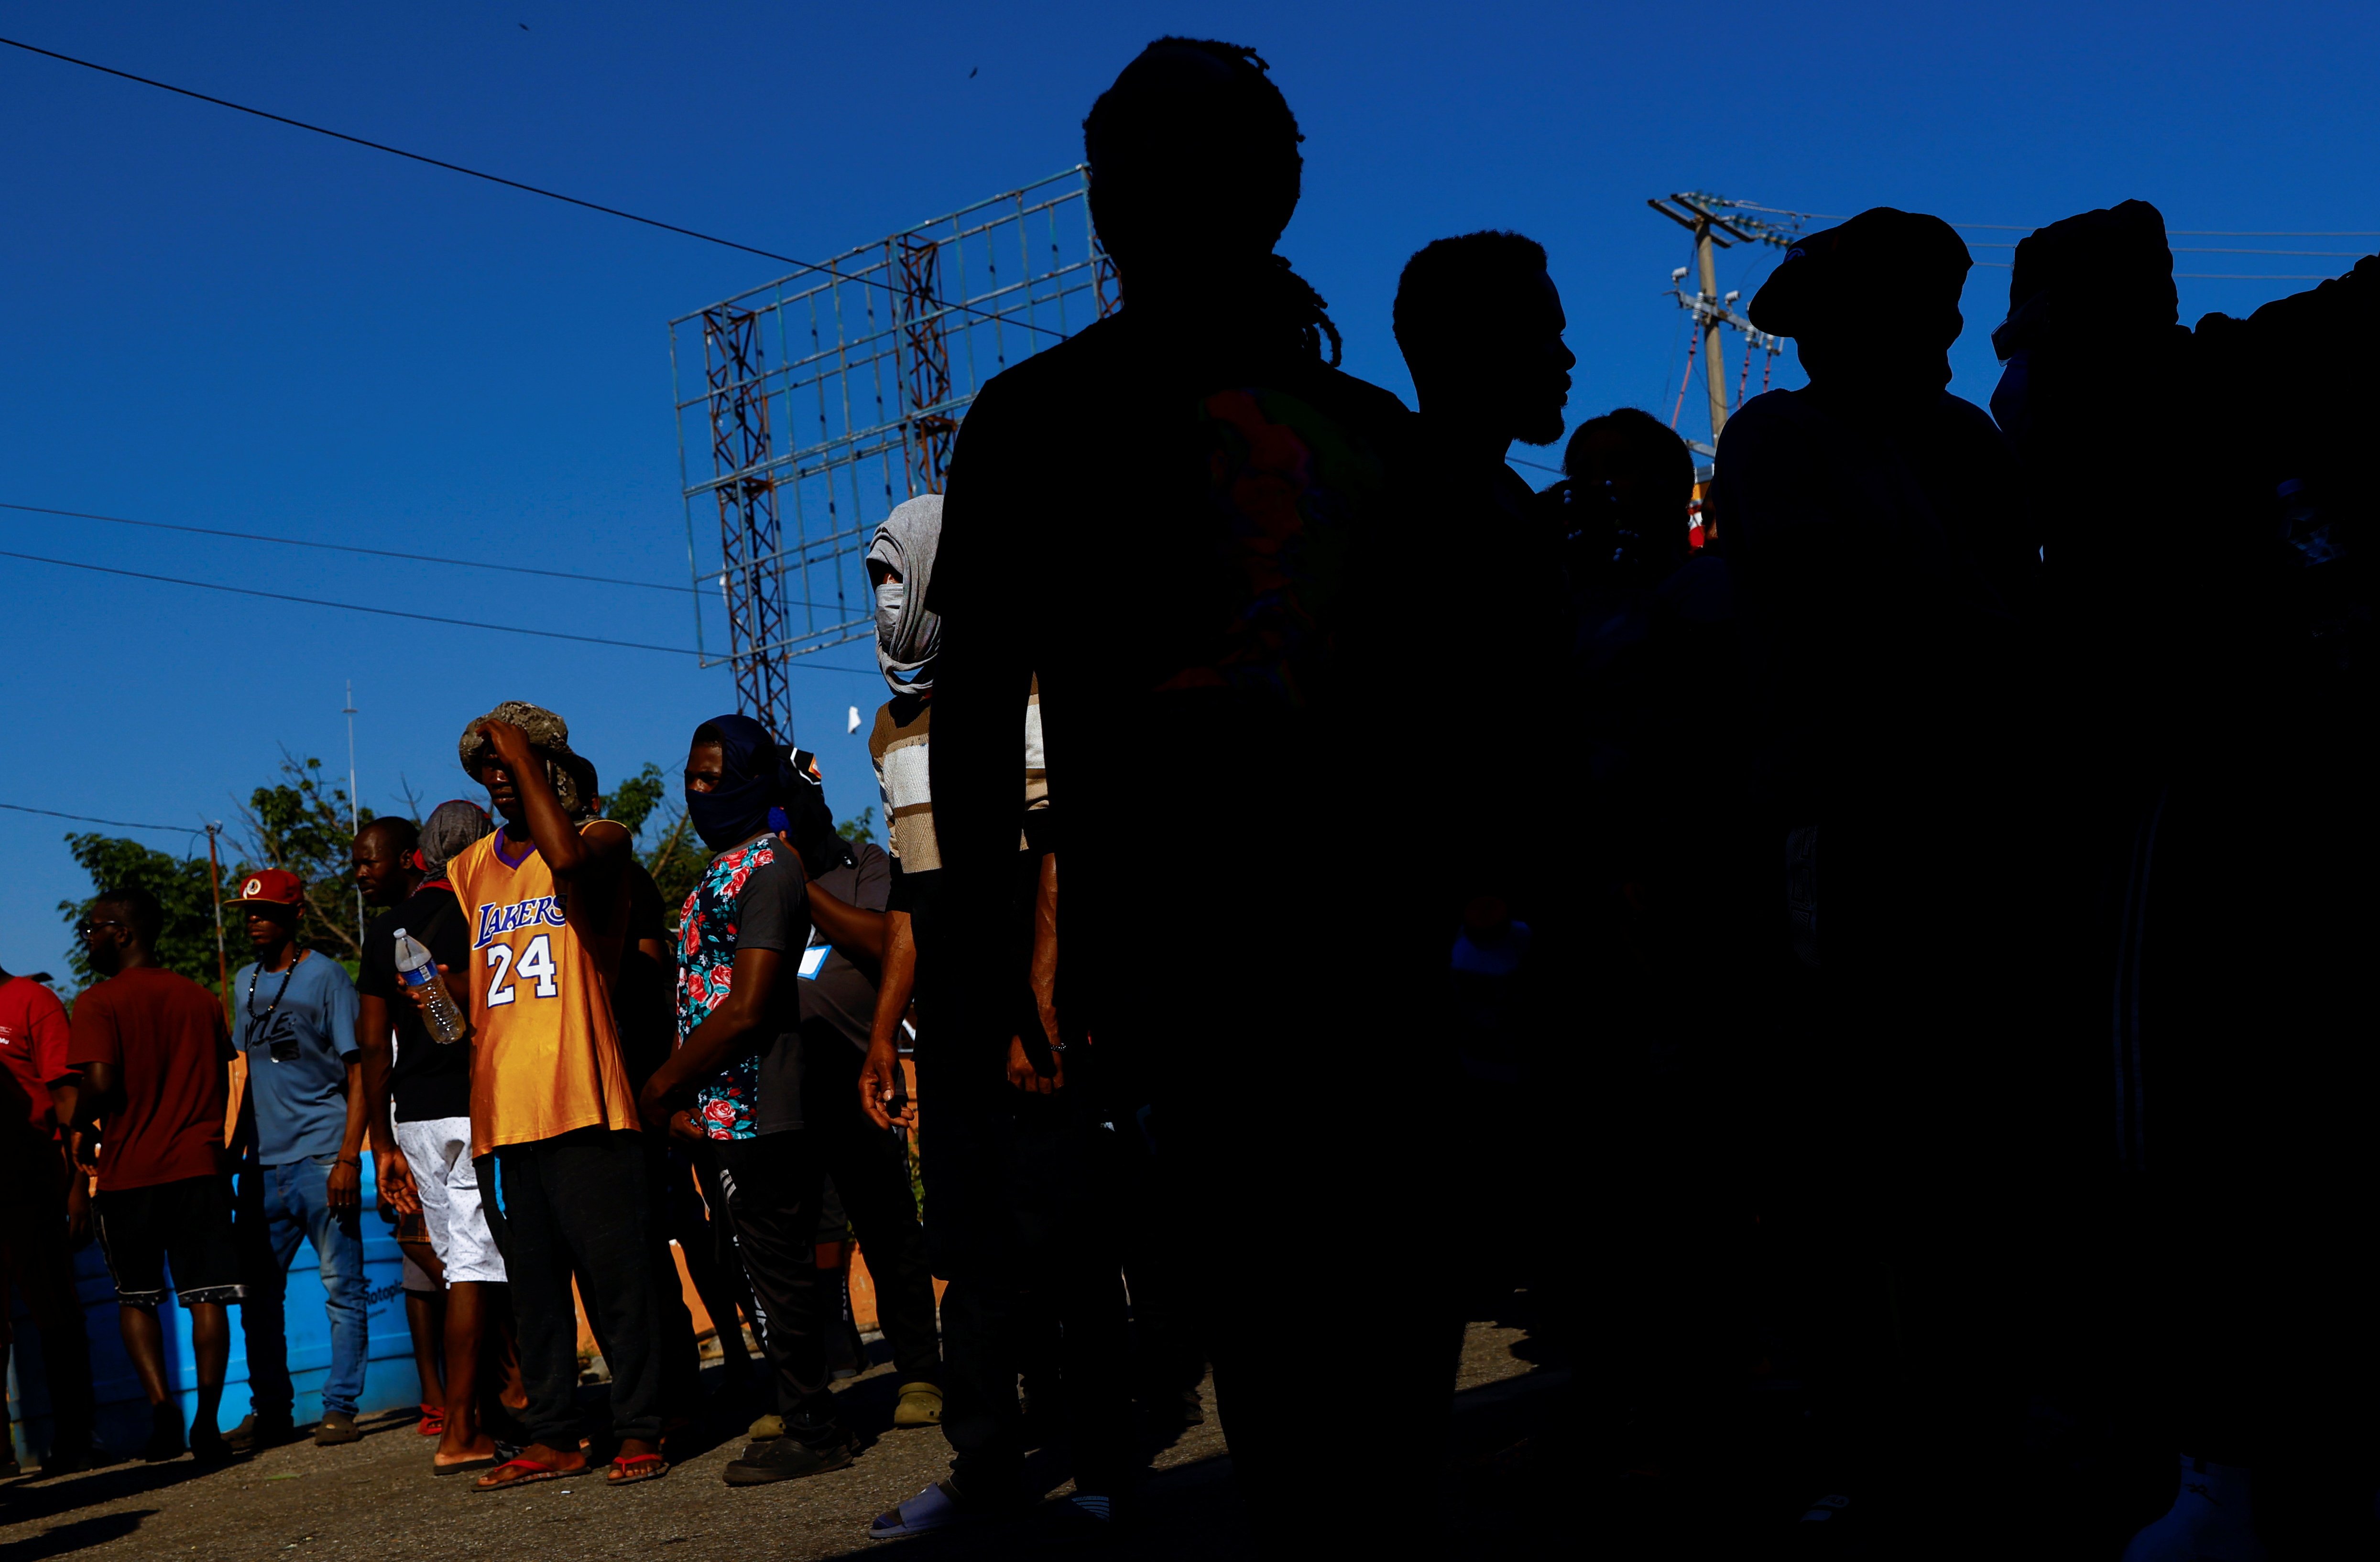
{"points": [[729, 1106]]}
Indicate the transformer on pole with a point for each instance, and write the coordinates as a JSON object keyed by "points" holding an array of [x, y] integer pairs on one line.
{"points": [[831, 394]]}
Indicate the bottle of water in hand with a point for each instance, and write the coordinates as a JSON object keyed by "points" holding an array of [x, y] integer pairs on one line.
{"points": [[418, 972]]}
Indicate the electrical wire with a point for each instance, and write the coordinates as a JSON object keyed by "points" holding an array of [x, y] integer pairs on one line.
{"points": [[800, 265], [85, 818], [347, 548], [2175, 233], [391, 553], [397, 613]]}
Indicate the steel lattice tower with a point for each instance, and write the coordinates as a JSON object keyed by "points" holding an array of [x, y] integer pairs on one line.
{"points": [[834, 394]]}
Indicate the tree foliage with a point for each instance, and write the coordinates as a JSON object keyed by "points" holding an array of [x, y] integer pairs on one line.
{"points": [[671, 850], [299, 822], [188, 944]]}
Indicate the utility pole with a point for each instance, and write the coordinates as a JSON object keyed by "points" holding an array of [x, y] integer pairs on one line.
{"points": [[353, 827], [238, 1077], [1709, 217], [1714, 358], [214, 882]]}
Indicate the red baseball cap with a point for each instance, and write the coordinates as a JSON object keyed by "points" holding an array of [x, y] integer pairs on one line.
{"points": [[271, 886]]}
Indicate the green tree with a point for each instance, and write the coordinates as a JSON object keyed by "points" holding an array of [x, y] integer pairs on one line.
{"points": [[300, 823], [188, 944], [860, 828], [671, 850]]}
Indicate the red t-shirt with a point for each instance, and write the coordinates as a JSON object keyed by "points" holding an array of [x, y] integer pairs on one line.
{"points": [[33, 1052], [165, 1036]]}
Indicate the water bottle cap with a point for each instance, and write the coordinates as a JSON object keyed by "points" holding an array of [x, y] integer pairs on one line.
{"points": [[400, 932]]}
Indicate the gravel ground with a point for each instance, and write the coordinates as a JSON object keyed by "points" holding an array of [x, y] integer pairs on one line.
{"points": [[377, 1498]]}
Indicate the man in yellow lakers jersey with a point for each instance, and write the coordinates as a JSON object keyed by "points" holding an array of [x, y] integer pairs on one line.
{"points": [[547, 901]]}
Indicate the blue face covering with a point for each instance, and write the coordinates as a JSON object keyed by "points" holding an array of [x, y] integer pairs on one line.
{"points": [[755, 778]]}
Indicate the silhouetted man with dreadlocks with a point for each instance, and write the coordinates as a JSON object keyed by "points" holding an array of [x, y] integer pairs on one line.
{"points": [[1183, 521]]}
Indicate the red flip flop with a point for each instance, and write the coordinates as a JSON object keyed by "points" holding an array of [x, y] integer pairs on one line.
{"points": [[531, 1472], [628, 1469], [433, 1421]]}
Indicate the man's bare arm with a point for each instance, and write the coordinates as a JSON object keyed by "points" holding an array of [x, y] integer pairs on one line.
{"points": [[860, 934], [882, 1072]]}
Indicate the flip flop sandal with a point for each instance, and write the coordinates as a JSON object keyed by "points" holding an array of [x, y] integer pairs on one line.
{"points": [[483, 1462], [629, 1469], [531, 1472]]}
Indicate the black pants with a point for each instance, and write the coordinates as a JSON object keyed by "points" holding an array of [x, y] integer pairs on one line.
{"points": [[35, 1261], [772, 1185], [990, 1329], [870, 1167], [1021, 1219], [582, 1201], [681, 1356]]}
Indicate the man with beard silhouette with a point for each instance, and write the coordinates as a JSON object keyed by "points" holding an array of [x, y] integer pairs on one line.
{"points": [[1209, 598]]}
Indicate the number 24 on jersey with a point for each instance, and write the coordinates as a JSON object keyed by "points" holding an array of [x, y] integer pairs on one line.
{"points": [[534, 968]]}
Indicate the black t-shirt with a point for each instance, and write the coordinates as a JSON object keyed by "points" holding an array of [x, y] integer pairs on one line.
{"points": [[840, 1000], [1227, 584], [430, 1079]]}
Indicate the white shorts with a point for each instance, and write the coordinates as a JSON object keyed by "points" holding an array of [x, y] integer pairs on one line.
{"points": [[439, 1151]]}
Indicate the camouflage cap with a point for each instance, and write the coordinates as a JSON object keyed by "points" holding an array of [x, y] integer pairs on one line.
{"points": [[547, 732]]}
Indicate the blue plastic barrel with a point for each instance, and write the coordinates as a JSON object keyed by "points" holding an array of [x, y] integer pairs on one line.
{"points": [[390, 1380]]}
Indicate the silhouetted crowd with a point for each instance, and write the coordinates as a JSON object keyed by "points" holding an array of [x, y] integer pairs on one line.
{"points": [[1854, 951]]}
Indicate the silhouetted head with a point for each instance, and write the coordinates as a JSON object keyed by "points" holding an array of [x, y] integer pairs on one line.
{"points": [[1648, 475], [1872, 305], [2100, 271], [1481, 326], [1195, 165], [2085, 296]]}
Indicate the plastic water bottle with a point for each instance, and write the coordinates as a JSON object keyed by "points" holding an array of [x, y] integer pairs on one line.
{"points": [[417, 971]]}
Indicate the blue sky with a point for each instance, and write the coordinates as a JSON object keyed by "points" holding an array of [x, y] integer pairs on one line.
{"points": [[218, 321]]}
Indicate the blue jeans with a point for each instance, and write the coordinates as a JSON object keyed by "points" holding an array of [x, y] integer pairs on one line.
{"points": [[278, 1204]]}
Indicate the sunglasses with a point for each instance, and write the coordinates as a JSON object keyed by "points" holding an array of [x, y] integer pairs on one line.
{"points": [[85, 927]]}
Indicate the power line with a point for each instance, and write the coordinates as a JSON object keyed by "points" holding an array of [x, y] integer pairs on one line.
{"points": [[85, 818], [391, 553], [510, 183], [396, 612], [344, 548], [2175, 233]]}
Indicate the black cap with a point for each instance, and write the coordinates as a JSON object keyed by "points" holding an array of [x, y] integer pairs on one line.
{"points": [[1865, 264]]}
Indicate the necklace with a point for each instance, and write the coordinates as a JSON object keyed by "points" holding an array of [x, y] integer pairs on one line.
{"points": [[254, 1019]]}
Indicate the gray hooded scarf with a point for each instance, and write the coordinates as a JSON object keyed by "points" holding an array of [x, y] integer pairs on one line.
{"points": [[907, 636]]}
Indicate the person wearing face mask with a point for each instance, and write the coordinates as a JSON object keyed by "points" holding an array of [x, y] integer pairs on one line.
{"points": [[740, 1054], [1886, 567]]}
